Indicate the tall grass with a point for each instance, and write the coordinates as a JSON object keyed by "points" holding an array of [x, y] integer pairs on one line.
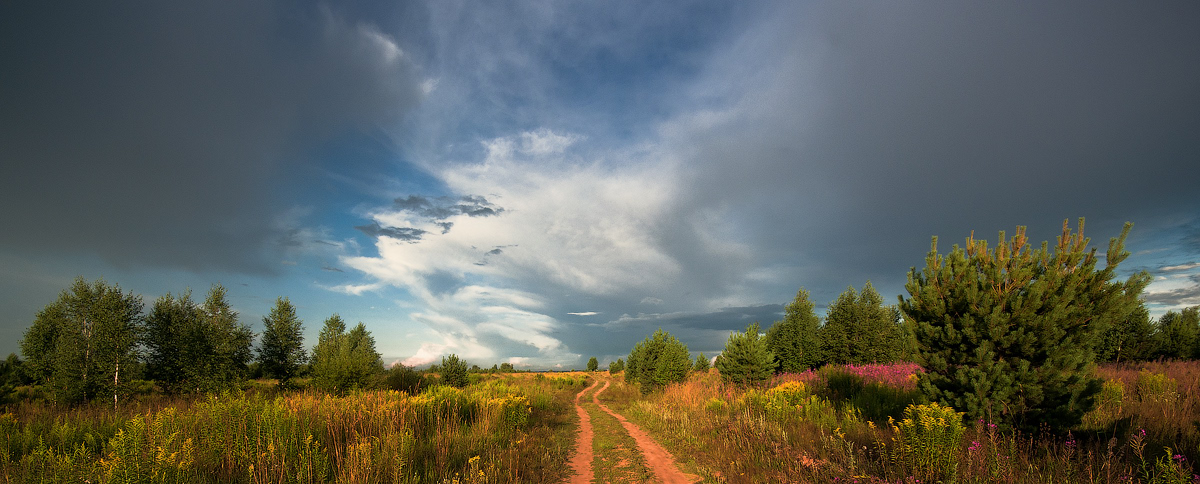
{"points": [[500, 430], [830, 426]]}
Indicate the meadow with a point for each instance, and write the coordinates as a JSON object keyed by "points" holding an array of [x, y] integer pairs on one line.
{"points": [[868, 424], [501, 428], [852, 424]]}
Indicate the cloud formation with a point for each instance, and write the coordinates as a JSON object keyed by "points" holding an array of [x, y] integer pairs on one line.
{"points": [[174, 134]]}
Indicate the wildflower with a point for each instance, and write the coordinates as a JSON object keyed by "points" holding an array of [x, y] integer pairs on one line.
{"points": [[974, 446]]}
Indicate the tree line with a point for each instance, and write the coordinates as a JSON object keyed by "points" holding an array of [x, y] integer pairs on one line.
{"points": [[96, 339], [1009, 333]]}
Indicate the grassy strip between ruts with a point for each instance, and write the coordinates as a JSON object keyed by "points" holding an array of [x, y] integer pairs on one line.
{"points": [[617, 457], [685, 448]]}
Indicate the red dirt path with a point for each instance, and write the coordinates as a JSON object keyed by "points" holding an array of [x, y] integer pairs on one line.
{"points": [[582, 462], [657, 458]]}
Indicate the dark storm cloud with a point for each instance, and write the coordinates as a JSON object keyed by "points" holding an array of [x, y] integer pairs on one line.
{"points": [[441, 208], [871, 129], [731, 318], [172, 133], [407, 234]]}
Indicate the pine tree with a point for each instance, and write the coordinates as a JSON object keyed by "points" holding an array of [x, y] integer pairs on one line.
{"points": [[702, 364], [84, 345], [1009, 334], [746, 359], [657, 361], [593, 364], [795, 340], [859, 329], [281, 351], [454, 371]]}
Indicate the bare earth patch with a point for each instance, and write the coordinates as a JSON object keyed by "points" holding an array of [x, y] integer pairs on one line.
{"points": [[657, 458], [581, 464]]}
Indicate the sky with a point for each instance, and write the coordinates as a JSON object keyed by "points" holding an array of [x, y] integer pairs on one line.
{"points": [[539, 182]]}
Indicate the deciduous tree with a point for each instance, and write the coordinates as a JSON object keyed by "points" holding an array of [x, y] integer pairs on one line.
{"points": [[84, 345]]}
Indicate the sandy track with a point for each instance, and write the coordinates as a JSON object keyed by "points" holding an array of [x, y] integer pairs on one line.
{"points": [[581, 464], [657, 458]]}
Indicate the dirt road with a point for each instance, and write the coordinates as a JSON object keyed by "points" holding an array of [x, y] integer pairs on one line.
{"points": [[656, 457]]}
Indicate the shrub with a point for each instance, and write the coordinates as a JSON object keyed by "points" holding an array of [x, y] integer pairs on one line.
{"points": [[928, 441]]}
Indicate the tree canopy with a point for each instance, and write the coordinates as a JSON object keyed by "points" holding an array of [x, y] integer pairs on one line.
{"points": [[85, 345], [795, 340], [344, 361], [281, 351], [1009, 333], [658, 360], [746, 359]]}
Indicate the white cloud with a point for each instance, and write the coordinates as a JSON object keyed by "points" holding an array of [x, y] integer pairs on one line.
{"points": [[589, 228], [1181, 267]]}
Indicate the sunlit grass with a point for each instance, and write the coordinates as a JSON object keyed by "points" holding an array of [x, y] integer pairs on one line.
{"points": [[499, 430]]}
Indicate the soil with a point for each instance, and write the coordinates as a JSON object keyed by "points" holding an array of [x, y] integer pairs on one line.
{"points": [[581, 464], [657, 458]]}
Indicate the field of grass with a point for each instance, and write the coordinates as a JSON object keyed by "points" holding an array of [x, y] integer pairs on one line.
{"points": [[850, 424], [500, 429], [864, 424]]}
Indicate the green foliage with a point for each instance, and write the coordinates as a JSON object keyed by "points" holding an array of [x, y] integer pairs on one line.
{"points": [[404, 379], [345, 361], [1133, 338], [656, 361], [859, 329], [593, 364], [795, 341], [506, 367], [702, 363], [454, 371], [873, 400], [84, 345], [12, 375], [1008, 334], [746, 359], [616, 366], [1156, 387], [1179, 334], [281, 351], [196, 348], [928, 441]]}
